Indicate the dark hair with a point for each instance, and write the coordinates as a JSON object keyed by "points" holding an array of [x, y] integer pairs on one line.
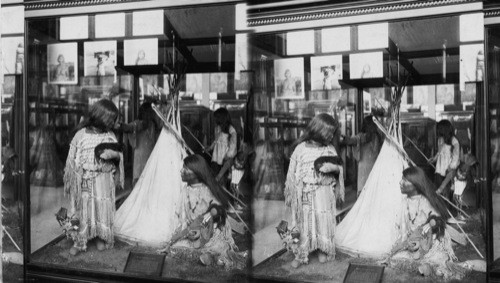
{"points": [[445, 129], [203, 172], [370, 129], [101, 115], [146, 114], [221, 217], [241, 157], [223, 119], [321, 129], [425, 187]]}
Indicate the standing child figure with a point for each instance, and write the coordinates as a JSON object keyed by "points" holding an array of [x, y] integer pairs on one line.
{"points": [[237, 172], [90, 180], [447, 158], [312, 200], [224, 145]]}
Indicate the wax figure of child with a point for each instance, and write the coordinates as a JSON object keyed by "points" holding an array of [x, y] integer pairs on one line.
{"points": [[94, 169], [312, 198], [424, 210], [447, 158], [198, 198], [225, 144]]}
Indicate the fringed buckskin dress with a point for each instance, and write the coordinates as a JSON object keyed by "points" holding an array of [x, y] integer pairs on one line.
{"points": [[313, 204], [91, 186]]}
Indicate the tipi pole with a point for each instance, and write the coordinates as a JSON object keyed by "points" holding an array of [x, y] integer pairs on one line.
{"points": [[196, 139], [443, 197], [10, 237], [171, 128]]}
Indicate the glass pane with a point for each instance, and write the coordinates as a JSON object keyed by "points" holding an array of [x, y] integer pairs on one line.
{"points": [[12, 177], [156, 199], [58, 100], [419, 59], [494, 110]]}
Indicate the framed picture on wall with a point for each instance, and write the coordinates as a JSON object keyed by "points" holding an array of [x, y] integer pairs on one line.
{"points": [[326, 71], [100, 58], [300, 42], [194, 83], [336, 39], [372, 36], [74, 27], [469, 95], [149, 85], [445, 94], [62, 63], [110, 25], [12, 20], [261, 102], [244, 82], [279, 106], [147, 22], [218, 82], [366, 65], [421, 94], [472, 27], [140, 51], [289, 78]]}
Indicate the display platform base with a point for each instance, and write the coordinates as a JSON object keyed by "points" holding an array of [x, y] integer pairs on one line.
{"points": [[144, 264], [361, 273]]}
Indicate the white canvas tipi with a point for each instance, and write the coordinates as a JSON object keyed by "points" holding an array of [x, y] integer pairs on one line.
{"points": [[148, 216], [371, 227]]}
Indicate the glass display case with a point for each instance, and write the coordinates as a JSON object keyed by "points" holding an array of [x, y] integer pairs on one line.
{"points": [[350, 72], [137, 60]]}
